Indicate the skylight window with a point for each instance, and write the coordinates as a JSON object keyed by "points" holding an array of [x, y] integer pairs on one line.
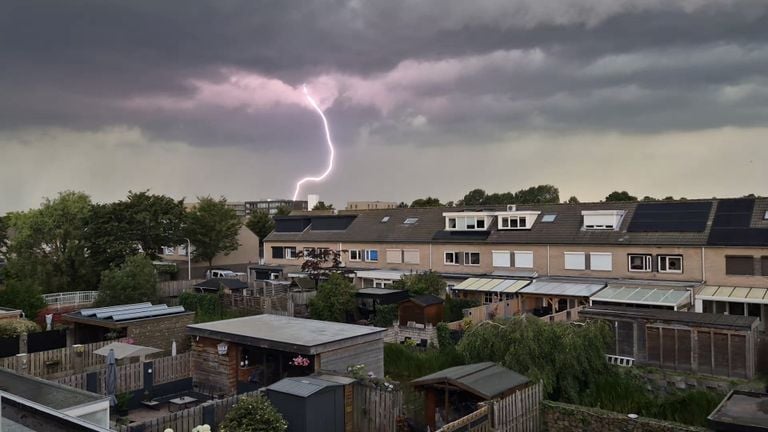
{"points": [[765, 216], [411, 220], [385, 219], [548, 218]]}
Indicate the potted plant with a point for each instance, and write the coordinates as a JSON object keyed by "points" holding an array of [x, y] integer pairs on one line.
{"points": [[123, 400]]}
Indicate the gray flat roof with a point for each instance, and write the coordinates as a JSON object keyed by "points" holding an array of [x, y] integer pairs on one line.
{"points": [[287, 333], [741, 411], [47, 393]]}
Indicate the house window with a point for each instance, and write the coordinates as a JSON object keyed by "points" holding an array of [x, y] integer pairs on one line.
{"points": [[169, 250], [183, 250], [480, 223], [463, 223], [548, 218], [471, 258], [290, 253], [277, 252], [452, 258], [451, 223], [355, 255], [514, 222], [740, 265], [602, 219], [670, 264], [575, 261], [764, 265], [411, 220], [371, 255], [488, 297], [523, 259], [308, 251], [601, 261], [411, 256], [640, 262], [394, 256], [501, 259]]}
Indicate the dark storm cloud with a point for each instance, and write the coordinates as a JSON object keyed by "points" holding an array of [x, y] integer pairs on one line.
{"points": [[413, 72]]}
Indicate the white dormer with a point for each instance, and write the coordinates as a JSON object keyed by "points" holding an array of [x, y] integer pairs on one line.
{"points": [[467, 221], [516, 220], [602, 219]]}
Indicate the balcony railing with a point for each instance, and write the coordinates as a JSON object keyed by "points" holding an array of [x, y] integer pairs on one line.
{"points": [[69, 299]]}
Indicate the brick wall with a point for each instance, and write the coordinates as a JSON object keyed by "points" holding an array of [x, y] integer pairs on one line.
{"points": [[161, 332], [399, 333], [210, 369], [560, 417]]}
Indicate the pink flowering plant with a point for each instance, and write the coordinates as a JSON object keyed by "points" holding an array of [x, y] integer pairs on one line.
{"points": [[300, 361]]}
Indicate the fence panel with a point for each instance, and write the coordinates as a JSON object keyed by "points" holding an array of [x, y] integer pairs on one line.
{"points": [[175, 288], [376, 410], [478, 421], [518, 412], [9, 346], [46, 341], [167, 369]]}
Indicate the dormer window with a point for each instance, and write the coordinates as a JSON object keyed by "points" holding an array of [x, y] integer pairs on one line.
{"points": [[466, 221], [518, 220], [602, 220]]}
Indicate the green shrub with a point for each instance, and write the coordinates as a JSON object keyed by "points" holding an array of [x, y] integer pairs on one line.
{"points": [[385, 315], [404, 363], [454, 308], [16, 327], [253, 414]]}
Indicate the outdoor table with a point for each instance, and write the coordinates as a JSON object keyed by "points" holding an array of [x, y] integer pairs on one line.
{"points": [[181, 403]]}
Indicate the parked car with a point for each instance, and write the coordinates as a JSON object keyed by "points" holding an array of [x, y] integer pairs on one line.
{"points": [[221, 273]]}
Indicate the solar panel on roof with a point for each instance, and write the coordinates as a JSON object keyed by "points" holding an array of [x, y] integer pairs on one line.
{"points": [[670, 217]]}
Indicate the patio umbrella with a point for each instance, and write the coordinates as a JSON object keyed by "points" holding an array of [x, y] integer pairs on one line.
{"points": [[173, 349], [111, 377]]}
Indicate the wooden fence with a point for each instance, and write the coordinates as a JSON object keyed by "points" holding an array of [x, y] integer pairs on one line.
{"points": [[375, 409], [478, 421], [169, 289], [56, 362], [188, 419], [131, 376], [491, 311], [519, 412], [564, 316]]}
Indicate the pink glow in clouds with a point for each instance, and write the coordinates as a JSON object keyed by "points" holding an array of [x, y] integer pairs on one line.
{"points": [[330, 147]]}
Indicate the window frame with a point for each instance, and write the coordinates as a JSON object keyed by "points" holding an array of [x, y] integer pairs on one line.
{"points": [[647, 261], [659, 258], [368, 256], [505, 222], [358, 253], [744, 257], [456, 257], [494, 253], [468, 258], [600, 254], [516, 263], [290, 252], [574, 253]]}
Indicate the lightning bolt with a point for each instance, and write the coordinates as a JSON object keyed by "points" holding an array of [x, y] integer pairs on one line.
{"points": [[330, 146]]}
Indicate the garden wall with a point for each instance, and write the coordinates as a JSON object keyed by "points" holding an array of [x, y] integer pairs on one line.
{"points": [[559, 417]]}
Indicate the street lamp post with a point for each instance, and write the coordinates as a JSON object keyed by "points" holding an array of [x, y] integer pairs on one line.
{"points": [[189, 259]]}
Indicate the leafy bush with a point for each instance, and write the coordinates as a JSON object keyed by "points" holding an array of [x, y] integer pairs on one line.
{"points": [[23, 296], [405, 363], [335, 300], [428, 282], [454, 308], [134, 282], [16, 327], [207, 307], [254, 414], [385, 315]]}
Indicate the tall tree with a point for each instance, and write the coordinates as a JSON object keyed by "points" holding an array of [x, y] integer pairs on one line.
{"points": [[321, 205], [402, 205], [22, 296], [134, 282], [538, 195], [320, 263], [3, 236], [212, 228], [573, 200], [155, 220], [474, 197], [426, 202], [620, 196], [283, 211], [428, 282], [335, 300], [49, 248], [261, 224], [649, 198]]}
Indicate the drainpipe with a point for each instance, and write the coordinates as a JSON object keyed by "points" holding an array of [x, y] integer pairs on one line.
{"points": [[430, 257], [547, 260], [703, 267]]}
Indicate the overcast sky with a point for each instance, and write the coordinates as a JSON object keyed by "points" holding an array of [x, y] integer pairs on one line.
{"points": [[429, 97]]}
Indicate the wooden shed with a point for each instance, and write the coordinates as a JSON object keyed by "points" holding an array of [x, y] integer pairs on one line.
{"points": [[423, 309], [724, 345], [245, 354]]}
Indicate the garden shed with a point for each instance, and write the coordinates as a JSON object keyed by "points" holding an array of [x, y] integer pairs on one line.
{"points": [[422, 310], [452, 393], [309, 404], [724, 345]]}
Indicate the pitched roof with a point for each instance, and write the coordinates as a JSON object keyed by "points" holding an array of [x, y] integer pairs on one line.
{"points": [[487, 380], [681, 223], [217, 283], [425, 300]]}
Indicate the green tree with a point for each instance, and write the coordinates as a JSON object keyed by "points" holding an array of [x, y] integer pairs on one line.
{"points": [[49, 248], [454, 308], [261, 224], [212, 228], [385, 315], [649, 198], [321, 205], [573, 200], [474, 197], [3, 237], [426, 202], [335, 300], [540, 194], [253, 414], [428, 282], [134, 282], [20, 295], [620, 196], [283, 211], [155, 220], [567, 358], [402, 205], [320, 263]]}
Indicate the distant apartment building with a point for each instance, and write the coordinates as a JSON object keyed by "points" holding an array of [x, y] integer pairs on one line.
{"points": [[272, 206], [632, 253], [370, 205], [239, 260]]}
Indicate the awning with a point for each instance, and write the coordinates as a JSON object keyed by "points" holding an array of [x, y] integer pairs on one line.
{"points": [[392, 275], [562, 289], [644, 295], [734, 294], [505, 286], [124, 350]]}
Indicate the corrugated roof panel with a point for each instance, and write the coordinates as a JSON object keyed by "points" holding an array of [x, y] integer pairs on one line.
{"points": [[724, 292], [657, 295], [749, 295], [562, 288], [739, 292], [491, 285], [708, 291], [758, 294]]}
